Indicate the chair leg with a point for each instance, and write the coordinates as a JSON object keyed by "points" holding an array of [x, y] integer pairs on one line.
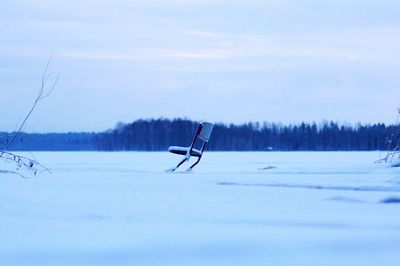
{"points": [[193, 165], [198, 160], [179, 164]]}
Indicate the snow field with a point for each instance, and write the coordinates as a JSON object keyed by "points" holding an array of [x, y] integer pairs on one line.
{"points": [[250, 208]]}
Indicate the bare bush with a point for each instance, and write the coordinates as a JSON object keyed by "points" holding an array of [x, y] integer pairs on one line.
{"points": [[393, 151], [22, 163]]}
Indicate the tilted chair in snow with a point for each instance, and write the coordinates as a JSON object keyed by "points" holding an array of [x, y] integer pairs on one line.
{"points": [[203, 132]]}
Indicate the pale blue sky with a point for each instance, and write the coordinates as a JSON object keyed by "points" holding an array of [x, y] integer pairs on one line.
{"points": [[218, 60]]}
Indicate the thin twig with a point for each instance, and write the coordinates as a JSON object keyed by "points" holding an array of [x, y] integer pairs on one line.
{"points": [[12, 172], [24, 162], [393, 152]]}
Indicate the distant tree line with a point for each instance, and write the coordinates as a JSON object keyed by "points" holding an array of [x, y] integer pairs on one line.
{"points": [[159, 134], [50, 141]]}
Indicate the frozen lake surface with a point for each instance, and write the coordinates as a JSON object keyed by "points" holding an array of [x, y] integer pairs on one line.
{"points": [[261, 208]]}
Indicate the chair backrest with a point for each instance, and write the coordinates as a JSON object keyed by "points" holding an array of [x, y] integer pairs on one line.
{"points": [[206, 129]]}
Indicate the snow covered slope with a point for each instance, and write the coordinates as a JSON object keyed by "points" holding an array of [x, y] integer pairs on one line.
{"points": [[271, 208]]}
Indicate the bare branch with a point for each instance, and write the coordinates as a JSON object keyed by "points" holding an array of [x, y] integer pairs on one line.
{"points": [[25, 162], [52, 87], [40, 96], [12, 172], [393, 151], [31, 165]]}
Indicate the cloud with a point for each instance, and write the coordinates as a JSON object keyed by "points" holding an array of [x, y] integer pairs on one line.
{"points": [[264, 52], [202, 34], [157, 54]]}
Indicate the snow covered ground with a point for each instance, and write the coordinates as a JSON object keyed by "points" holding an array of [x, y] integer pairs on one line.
{"points": [[271, 208]]}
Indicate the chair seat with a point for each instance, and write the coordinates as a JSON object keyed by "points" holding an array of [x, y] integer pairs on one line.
{"points": [[183, 151]]}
